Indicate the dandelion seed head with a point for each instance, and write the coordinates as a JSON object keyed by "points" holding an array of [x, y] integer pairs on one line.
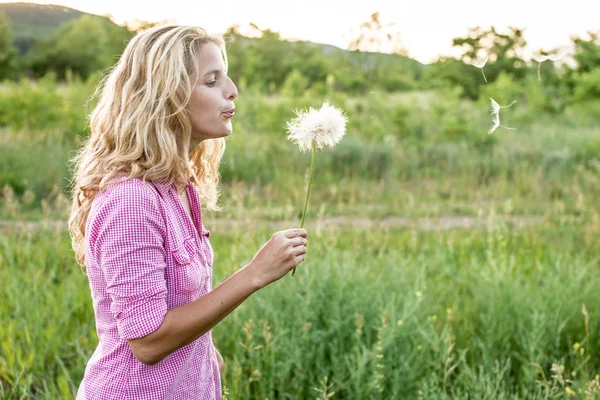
{"points": [[323, 127], [495, 107], [496, 123], [479, 62], [496, 115], [541, 58], [552, 56]]}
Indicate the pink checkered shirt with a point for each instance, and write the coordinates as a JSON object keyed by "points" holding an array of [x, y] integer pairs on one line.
{"points": [[144, 256]]}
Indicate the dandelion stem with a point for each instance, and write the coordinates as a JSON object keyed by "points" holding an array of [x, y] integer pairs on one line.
{"points": [[511, 103], [484, 78], [310, 175], [538, 71]]}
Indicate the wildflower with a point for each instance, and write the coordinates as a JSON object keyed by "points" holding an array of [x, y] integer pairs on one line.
{"points": [[316, 128], [359, 322], [418, 294], [312, 130], [496, 113], [479, 62], [400, 322]]}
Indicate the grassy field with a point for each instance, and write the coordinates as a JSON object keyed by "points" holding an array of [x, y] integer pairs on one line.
{"points": [[499, 312], [443, 262]]}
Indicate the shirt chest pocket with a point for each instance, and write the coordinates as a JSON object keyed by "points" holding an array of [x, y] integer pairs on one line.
{"points": [[189, 275]]}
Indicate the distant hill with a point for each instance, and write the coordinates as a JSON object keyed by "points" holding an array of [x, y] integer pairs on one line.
{"points": [[31, 22]]}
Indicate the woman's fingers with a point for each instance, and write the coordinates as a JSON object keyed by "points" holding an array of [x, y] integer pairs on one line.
{"points": [[298, 241], [297, 232], [298, 250]]}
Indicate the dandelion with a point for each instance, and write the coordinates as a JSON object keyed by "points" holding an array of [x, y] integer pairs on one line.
{"points": [[312, 130], [496, 113], [480, 62], [316, 128], [540, 58]]}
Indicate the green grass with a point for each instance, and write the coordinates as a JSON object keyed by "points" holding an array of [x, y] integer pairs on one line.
{"points": [[503, 311], [370, 314], [419, 154]]}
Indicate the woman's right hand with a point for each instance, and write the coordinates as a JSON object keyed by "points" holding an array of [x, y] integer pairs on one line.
{"points": [[283, 252]]}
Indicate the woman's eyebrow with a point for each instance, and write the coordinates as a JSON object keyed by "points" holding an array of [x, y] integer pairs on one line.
{"points": [[214, 71]]}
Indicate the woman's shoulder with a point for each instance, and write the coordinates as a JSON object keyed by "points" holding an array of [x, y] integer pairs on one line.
{"points": [[127, 195], [130, 186], [124, 209]]}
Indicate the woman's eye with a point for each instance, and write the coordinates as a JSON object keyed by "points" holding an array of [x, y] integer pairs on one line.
{"points": [[211, 83]]}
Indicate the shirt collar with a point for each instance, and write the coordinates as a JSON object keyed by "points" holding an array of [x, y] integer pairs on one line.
{"points": [[163, 185], [166, 184]]}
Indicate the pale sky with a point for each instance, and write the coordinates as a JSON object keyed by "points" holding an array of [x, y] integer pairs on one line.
{"points": [[426, 27]]}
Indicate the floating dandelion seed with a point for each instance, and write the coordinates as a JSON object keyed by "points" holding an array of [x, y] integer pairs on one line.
{"points": [[496, 113], [480, 62], [540, 58], [312, 130]]}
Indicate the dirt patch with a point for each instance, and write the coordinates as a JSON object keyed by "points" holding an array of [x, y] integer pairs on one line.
{"points": [[328, 223]]}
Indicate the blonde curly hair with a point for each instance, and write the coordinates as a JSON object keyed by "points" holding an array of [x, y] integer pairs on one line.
{"points": [[140, 127]]}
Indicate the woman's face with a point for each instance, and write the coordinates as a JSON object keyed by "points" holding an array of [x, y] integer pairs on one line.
{"points": [[211, 105]]}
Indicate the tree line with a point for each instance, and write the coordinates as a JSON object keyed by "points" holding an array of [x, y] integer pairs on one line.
{"points": [[263, 61]]}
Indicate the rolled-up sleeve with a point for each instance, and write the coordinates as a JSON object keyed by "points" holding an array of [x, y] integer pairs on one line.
{"points": [[129, 249]]}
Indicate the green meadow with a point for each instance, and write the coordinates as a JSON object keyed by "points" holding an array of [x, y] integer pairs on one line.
{"points": [[454, 264], [443, 262]]}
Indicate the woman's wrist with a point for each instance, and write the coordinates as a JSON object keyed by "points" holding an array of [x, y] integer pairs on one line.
{"points": [[251, 276]]}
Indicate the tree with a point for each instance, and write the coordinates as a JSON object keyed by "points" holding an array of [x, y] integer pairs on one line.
{"points": [[504, 50], [374, 36], [8, 52], [583, 81], [587, 52], [81, 46], [139, 25]]}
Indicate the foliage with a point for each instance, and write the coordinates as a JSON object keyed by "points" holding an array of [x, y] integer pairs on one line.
{"points": [[7, 51], [32, 22], [501, 312], [83, 46], [506, 309]]}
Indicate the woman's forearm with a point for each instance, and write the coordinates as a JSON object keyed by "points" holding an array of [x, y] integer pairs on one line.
{"points": [[182, 325]]}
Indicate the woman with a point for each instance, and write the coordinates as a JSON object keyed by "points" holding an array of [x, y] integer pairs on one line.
{"points": [[157, 137]]}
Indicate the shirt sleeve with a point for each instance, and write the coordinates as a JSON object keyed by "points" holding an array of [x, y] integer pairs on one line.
{"points": [[129, 248]]}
